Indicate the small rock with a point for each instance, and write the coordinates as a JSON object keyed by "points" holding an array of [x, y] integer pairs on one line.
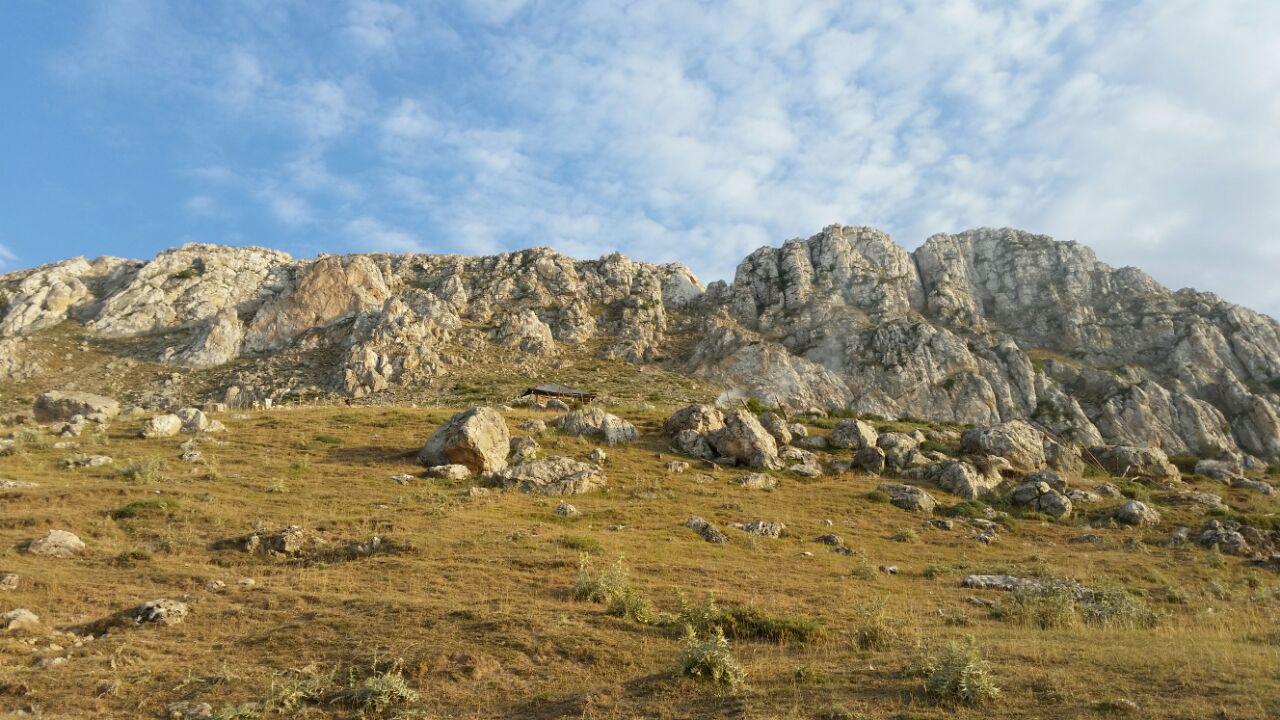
{"points": [[9, 581], [763, 528], [246, 582], [523, 449], [162, 426], [20, 619], [56, 543], [829, 539], [477, 492], [564, 509], [757, 481], [598, 456], [1258, 486], [215, 586], [676, 467], [454, 473], [86, 461], [406, 479], [1135, 513], [709, 532], [190, 710], [160, 612], [909, 497], [889, 569]]}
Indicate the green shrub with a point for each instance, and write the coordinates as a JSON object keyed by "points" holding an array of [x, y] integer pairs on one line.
{"points": [[959, 675], [329, 439], [145, 470], [1058, 603], [581, 543], [905, 535], [746, 622], [878, 496], [138, 508], [966, 509], [874, 631], [709, 659]]}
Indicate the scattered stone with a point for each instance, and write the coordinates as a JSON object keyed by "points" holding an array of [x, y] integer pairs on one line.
{"points": [[1130, 461], [1016, 441], [777, 427], [708, 531], [1221, 470], [1135, 513], [852, 434], [598, 456], [523, 449], [162, 426], [292, 541], [9, 581], [246, 582], [477, 492], [1258, 486], [957, 477], [1204, 499], [190, 710], [763, 528], [455, 473], [677, 467], [1040, 497], [21, 619], [160, 612], [56, 543], [757, 481], [406, 479], [908, 497], [798, 430], [693, 444], [477, 438], [552, 476], [564, 509], [1226, 535], [86, 461], [215, 586], [1107, 490], [870, 459], [1087, 538], [593, 421], [889, 569], [556, 404], [533, 426], [829, 539]]}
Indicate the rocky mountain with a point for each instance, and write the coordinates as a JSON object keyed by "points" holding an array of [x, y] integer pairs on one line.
{"points": [[979, 327]]}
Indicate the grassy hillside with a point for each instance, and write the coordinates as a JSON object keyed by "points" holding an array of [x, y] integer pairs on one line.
{"points": [[467, 607]]}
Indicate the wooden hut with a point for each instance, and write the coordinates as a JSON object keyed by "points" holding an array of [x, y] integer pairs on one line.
{"points": [[552, 390]]}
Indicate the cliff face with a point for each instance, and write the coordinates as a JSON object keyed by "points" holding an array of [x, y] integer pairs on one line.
{"points": [[979, 327], [991, 325]]}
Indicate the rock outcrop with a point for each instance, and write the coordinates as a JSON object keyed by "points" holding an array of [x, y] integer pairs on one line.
{"points": [[477, 439], [983, 327]]}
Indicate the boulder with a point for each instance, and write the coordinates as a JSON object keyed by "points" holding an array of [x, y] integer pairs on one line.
{"points": [[957, 477], [746, 441], [162, 426], [564, 509], [21, 619], [86, 461], [870, 459], [598, 456], [763, 528], [693, 444], [523, 449], [701, 419], [533, 426], [1258, 486], [1016, 441], [477, 438], [1135, 513], [56, 543], [593, 421], [677, 467], [709, 532], [1040, 497], [908, 497], [449, 472], [756, 481], [1065, 458], [1130, 461], [852, 434], [777, 427], [1226, 535], [160, 612], [798, 430], [54, 405], [554, 475]]}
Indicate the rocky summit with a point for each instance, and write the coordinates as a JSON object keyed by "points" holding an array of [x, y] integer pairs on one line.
{"points": [[980, 327]]}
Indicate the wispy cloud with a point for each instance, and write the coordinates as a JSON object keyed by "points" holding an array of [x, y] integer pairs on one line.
{"points": [[7, 258], [699, 131]]}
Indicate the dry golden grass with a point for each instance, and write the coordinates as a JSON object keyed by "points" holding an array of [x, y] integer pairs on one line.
{"points": [[475, 612]]}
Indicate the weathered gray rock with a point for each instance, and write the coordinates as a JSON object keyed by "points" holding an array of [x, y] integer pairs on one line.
{"points": [[908, 497], [870, 459], [594, 421], [1129, 461], [86, 461], [1226, 536], [455, 473], [958, 478], [756, 481], [477, 438], [709, 532], [1135, 513], [1258, 486], [763, 528], [160, 612], [701, 419], [162, 426], [693, 444], [63, 406], [564, 509], [1016, 441], [853, 434], [1040, 497], [20, 619], [745, 440], [56, 543], [777, 427], [552, 476], [523, 449]]}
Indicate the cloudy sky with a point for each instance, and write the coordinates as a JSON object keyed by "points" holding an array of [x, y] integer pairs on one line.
{"points": [[690, 131]]}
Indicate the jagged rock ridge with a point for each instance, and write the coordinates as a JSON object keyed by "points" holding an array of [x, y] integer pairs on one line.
{"points": [[979, 327]]}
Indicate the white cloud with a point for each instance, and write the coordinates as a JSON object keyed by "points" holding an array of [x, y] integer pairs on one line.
{"points": [[372, 234], [287, 208], [201, 206], [7, 258]]}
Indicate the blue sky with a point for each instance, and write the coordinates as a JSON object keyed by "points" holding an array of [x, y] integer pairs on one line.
{"points": [[682, 131]]}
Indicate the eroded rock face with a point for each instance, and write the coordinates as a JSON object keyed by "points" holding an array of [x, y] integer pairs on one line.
{"points": [[1128, 461], [745, 440], [477, 438], [1015, 441]]}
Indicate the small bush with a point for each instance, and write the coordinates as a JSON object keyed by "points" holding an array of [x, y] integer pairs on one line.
{"points": [[145, 470], [581, 543], [966, 509], [138, 508], [329, 439], [905, 535], [746, 623], [960, 675], [630, 603], [878, 496], [710, 659], [1056, 603], [1116, 607], [875, 632]]}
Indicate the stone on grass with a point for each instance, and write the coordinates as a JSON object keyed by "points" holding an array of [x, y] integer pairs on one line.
{"points": [[676, 467], [595, 422], [477, 438], [564, 509], [9, 581], [1016, 441], [1039, 496], [1130, 461], [852, 434], [160, 612], [56, 543], [757, 481], [54, 406], [523, 449], [86, 461], [449, 472], [598, 456], [1135, 513], [554, 475], [709, 532], [20, 619], [908, 497], [763, 528], [162, 426]]}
